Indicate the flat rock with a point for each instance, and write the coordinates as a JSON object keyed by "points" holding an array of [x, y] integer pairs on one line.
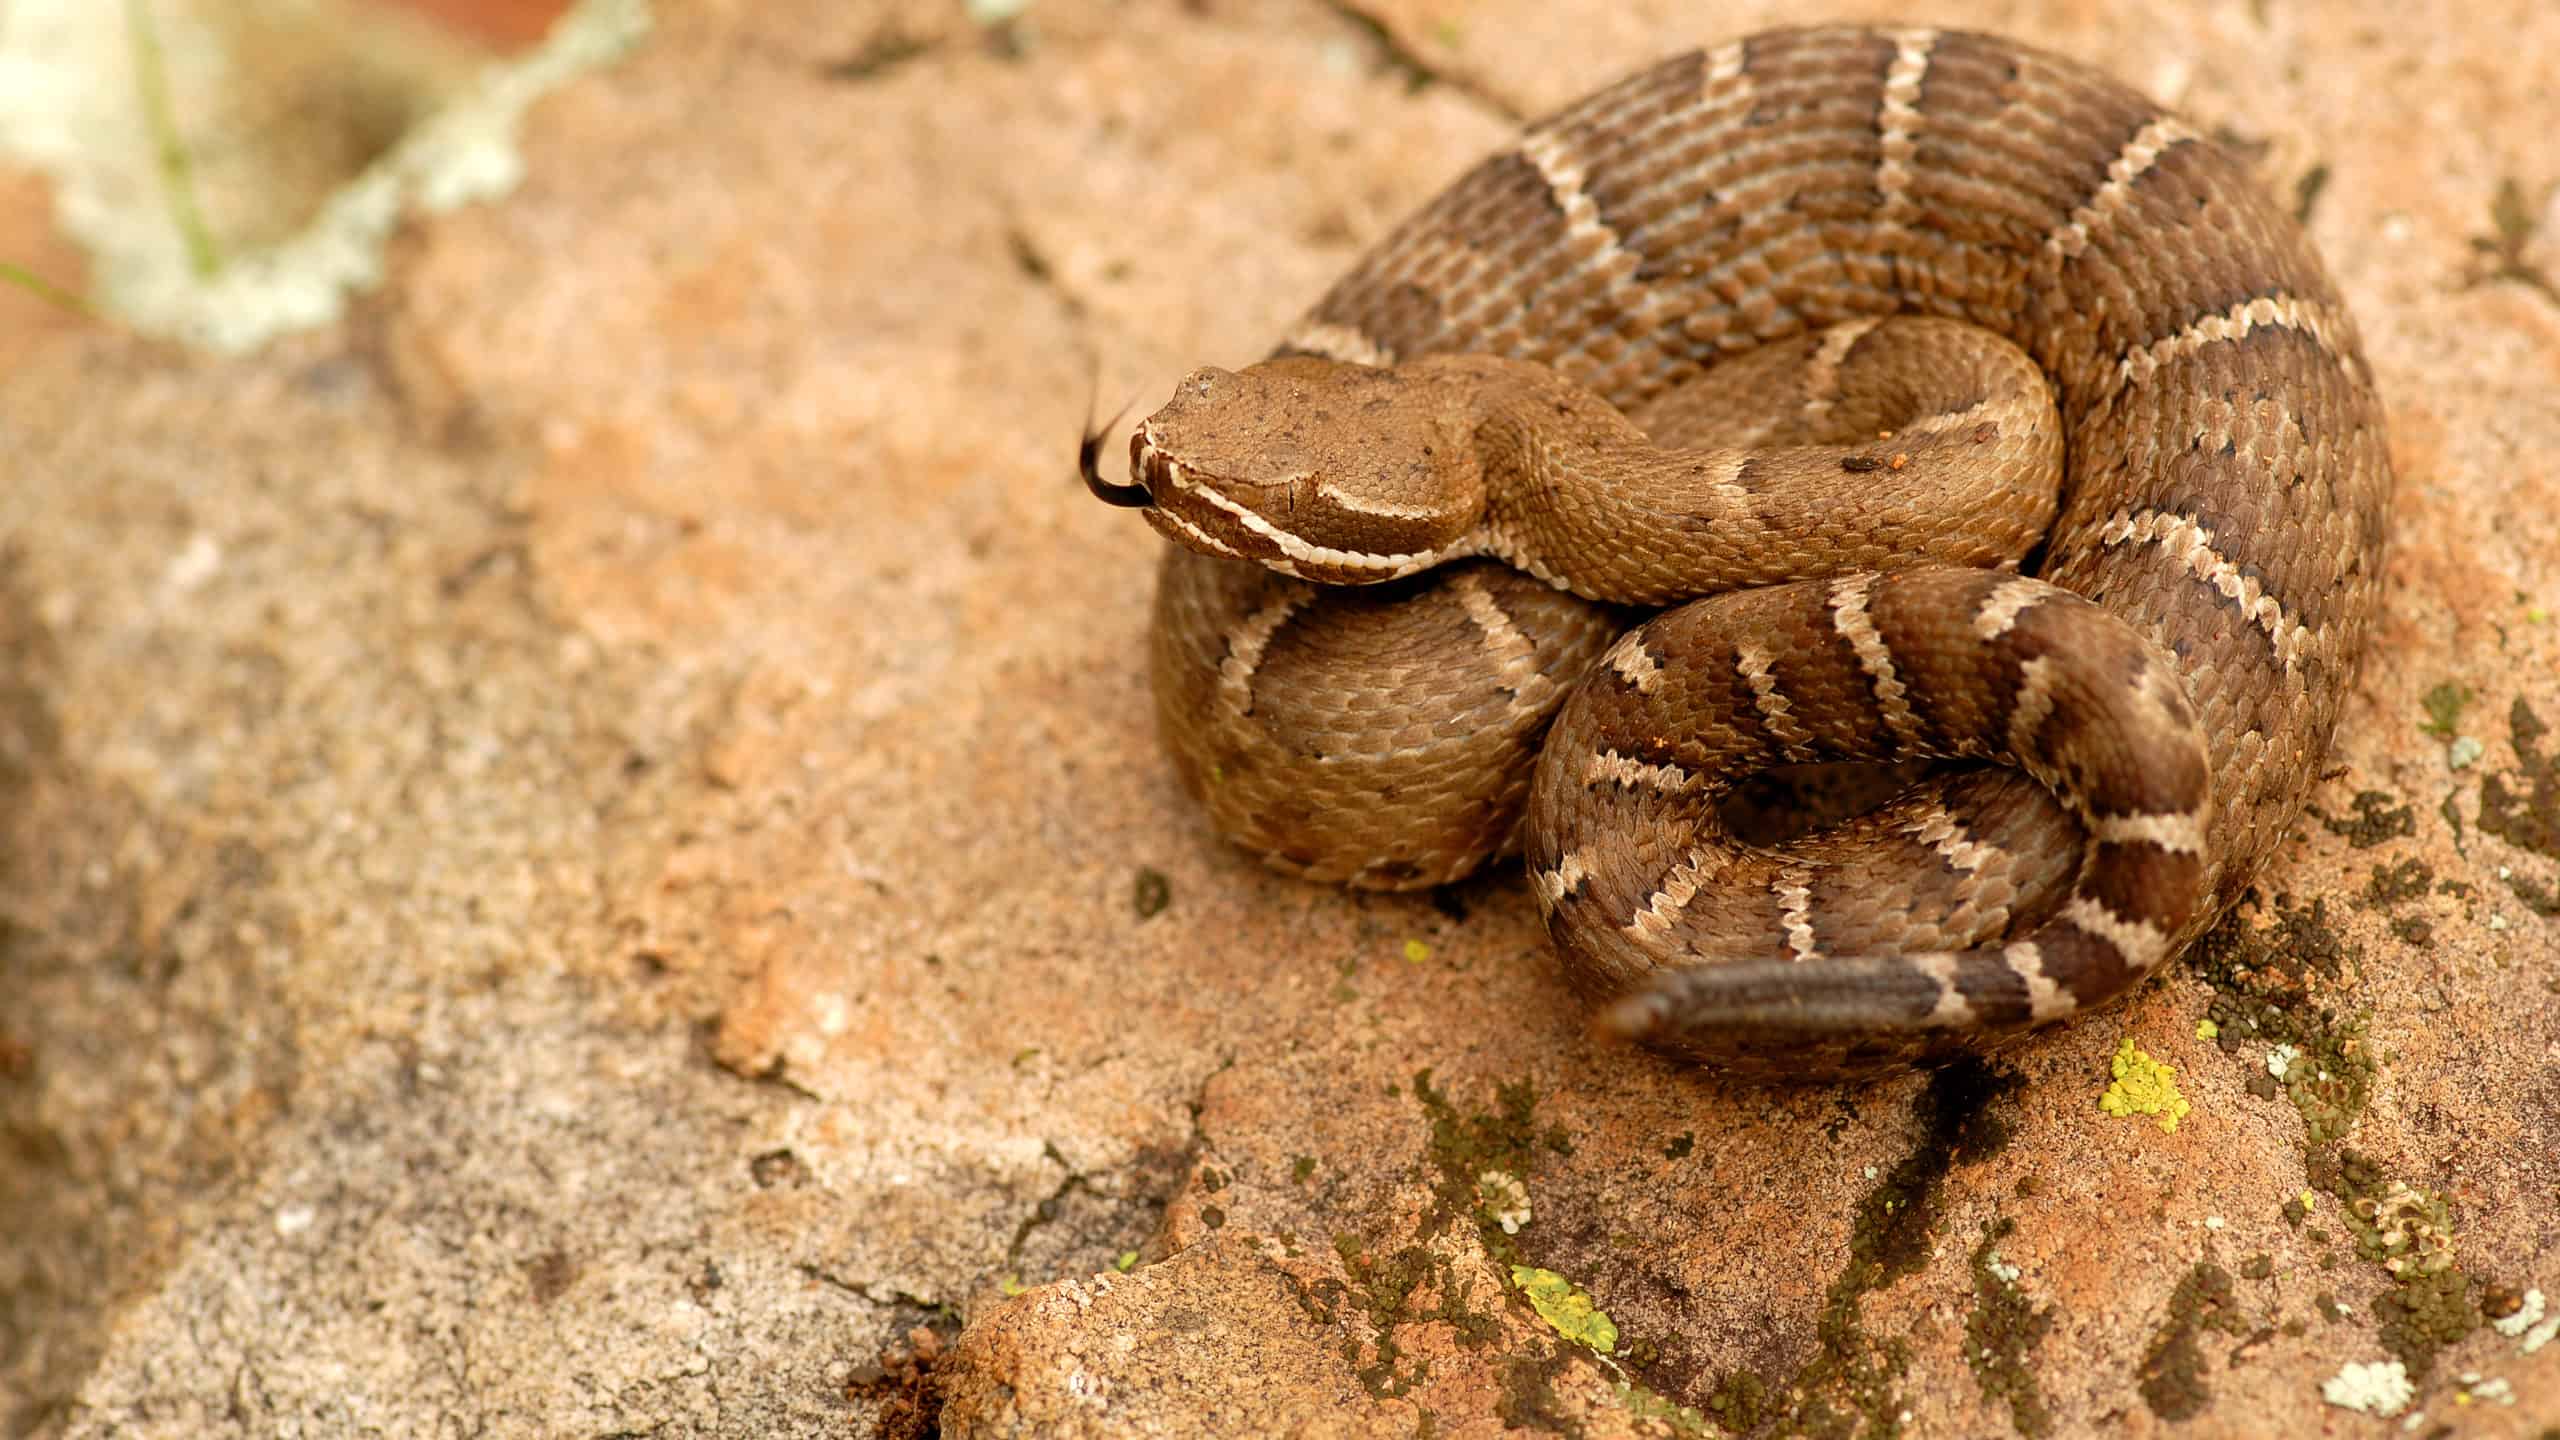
{"points": [[583, 851]]}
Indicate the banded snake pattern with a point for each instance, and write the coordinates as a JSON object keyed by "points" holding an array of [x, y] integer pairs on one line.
{"points": [[1749, 326]]}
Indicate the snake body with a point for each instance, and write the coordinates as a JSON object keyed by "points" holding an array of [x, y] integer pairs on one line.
{"points": [[2159, 640]]}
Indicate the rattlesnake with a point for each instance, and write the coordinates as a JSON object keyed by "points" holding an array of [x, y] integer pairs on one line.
{"points": [[1511, 373]]}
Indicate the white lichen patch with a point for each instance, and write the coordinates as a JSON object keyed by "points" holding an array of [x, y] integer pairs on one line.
{"points": [[2494, 1390], [71, 107], [1504, 1199], [2379, 1388], [2280, 1059], [2539, 1336]]}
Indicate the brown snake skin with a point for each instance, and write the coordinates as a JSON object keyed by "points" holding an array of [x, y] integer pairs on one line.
{"points": [[2223, 503]]}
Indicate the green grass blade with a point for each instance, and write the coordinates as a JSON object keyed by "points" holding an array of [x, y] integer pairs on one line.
{"points": [[45, 290], [177, 172]]}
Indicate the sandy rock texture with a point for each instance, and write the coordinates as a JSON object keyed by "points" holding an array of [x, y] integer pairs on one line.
{"points": [[582, 852]]}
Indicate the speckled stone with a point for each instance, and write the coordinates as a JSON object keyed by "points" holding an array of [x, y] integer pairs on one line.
{"points": [[575, 850]]}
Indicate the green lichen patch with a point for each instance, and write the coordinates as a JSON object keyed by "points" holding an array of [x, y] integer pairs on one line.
{"points": [[1150, 893], [2500, 254], [2523, 807], [2408, 1232], [2375, 821], [1851, 1389], [1852, 1385], [2444, 705], [2396, 885], [2330, 1083], [2272, 990], [2270, 994], [1679, 1419], [2171, 1379], [2399, 1227], [1466, 1145], [1388, 1289], [2423, 1314], [2002, 1328], [2274, 963], [1740, 1402], [1395, 1285], [1890, 1236], [1566, 1307]]}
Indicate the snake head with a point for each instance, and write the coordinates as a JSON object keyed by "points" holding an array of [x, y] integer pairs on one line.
{"points": [[1342, 474]]}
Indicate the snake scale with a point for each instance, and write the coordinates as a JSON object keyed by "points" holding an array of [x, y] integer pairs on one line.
{"points": [[1747, 326]]}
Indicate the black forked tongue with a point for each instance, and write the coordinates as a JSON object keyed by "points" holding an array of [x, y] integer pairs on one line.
{"points": [[1089, 462]]}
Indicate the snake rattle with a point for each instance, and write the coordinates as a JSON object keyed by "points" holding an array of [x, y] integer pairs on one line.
{"points": [[1978, 409]]}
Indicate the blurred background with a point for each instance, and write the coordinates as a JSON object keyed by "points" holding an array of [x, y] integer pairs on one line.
{"points": [[190, 139]]}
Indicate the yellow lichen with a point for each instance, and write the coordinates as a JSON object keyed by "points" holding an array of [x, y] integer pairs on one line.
{"points": [[2206, 1029], [2144, 1086], [1416, 951], [1563, 1304]]}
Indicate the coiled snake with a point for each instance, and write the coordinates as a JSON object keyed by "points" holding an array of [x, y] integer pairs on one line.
{"points": [[1530, 405]]}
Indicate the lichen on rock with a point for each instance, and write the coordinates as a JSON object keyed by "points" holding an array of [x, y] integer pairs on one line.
{"points": [[2143, 1086], [1565, 1305]]}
